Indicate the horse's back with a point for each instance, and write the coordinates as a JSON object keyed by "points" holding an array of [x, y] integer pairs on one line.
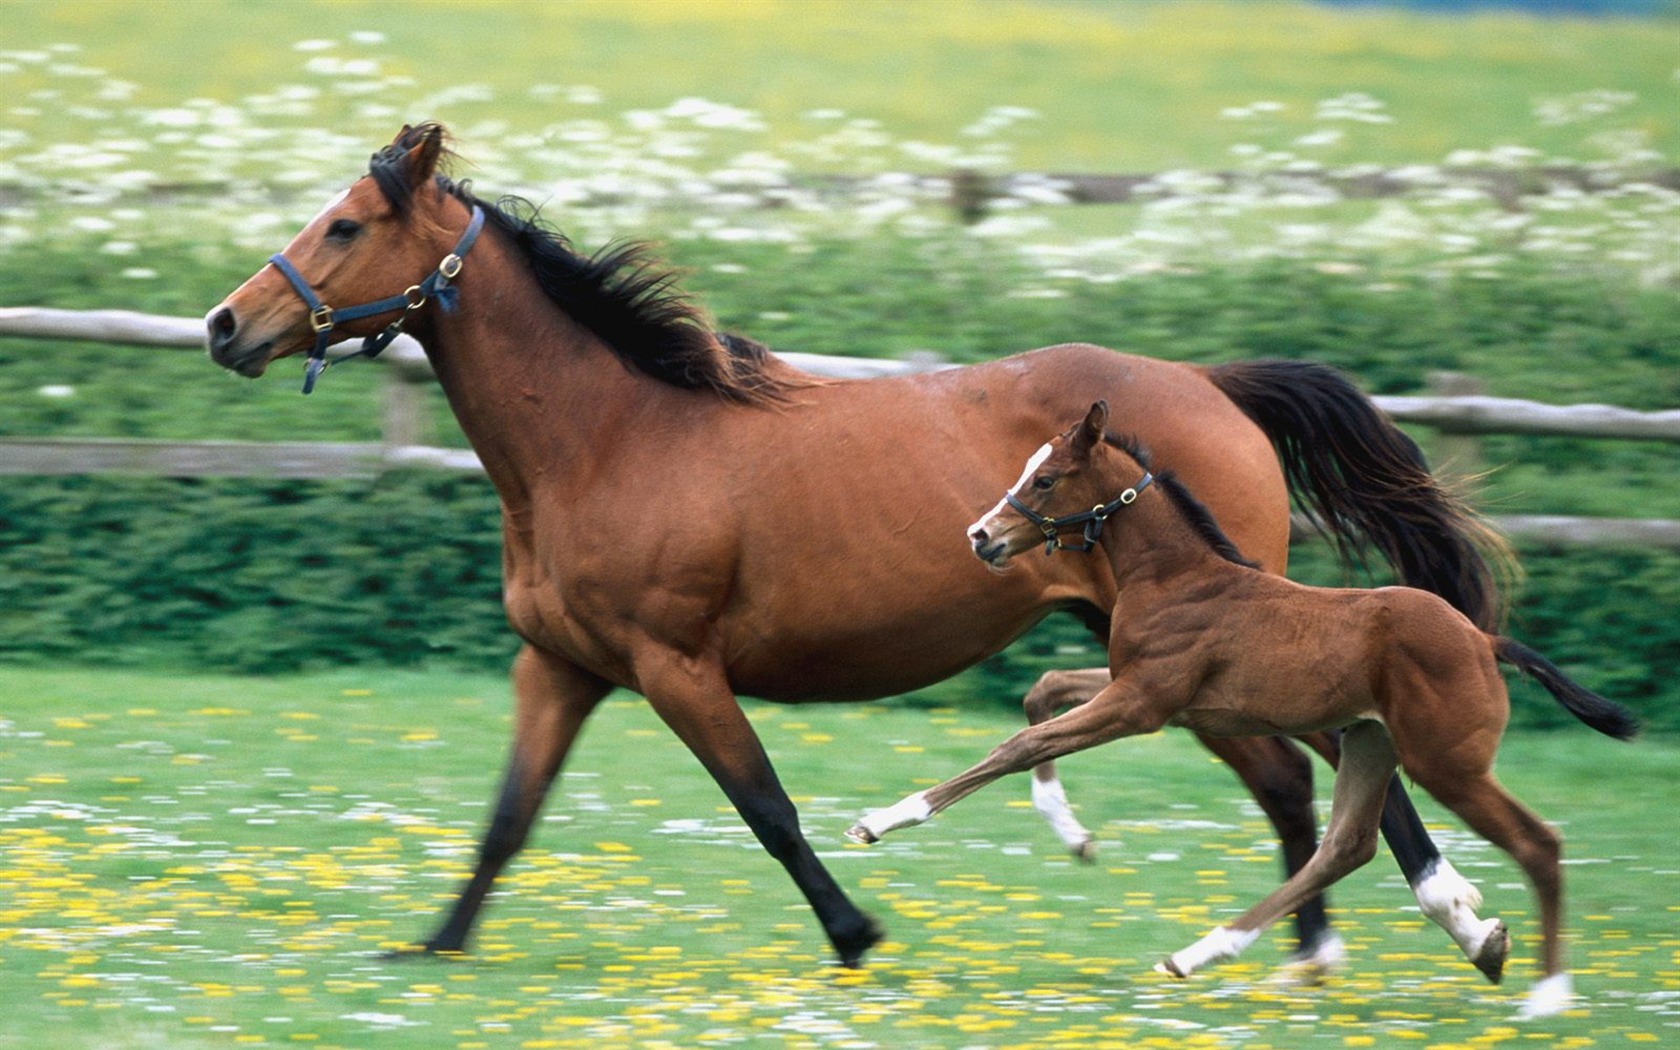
{"points": [[852, 559]]}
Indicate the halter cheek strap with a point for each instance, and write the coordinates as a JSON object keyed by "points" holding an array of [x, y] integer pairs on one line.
{"points": [[323, 318], [1092, 519]]}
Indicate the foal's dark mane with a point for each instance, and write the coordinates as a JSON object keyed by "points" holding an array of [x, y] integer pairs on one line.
{"points": [[1191, 509], [620, 293]]}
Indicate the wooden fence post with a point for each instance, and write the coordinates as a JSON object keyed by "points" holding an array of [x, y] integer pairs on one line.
{"points": [[1457, 454]]}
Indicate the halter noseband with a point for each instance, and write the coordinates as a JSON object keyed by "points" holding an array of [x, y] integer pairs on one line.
{"points": [[1092, 519], [322, 318]]}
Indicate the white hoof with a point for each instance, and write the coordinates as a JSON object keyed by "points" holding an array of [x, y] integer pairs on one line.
{"points": [[859, 833], [1309, 968], [1549, 996]]}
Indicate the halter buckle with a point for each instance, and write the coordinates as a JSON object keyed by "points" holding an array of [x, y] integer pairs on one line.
{"points": [[1128, 496], [321, 318], [450, 266]]}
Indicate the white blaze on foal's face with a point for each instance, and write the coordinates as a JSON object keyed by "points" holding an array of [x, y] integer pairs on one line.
{"points": [[1017, 489]]}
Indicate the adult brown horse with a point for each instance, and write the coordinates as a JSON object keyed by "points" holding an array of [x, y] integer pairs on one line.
{"points": [[688, 517], [1202, 639]]}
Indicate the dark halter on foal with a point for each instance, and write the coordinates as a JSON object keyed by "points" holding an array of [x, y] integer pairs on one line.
{"points": [[322, 317], [1092, 519]]}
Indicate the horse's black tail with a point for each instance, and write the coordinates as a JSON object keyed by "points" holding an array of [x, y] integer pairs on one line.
{"points": [[1606, 716], [1366, 482]]}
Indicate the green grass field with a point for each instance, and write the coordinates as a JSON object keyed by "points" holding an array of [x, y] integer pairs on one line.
{"points": [[213, 861]]}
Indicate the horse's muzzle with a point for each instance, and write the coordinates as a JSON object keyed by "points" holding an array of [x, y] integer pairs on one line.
{"points": [[222, 338]]}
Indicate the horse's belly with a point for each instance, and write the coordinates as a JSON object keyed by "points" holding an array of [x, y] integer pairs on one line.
{"points": [[856, 666]]}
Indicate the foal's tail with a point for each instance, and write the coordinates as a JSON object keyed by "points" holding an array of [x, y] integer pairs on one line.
{"points": [[1367, 482], [1606, 716]]}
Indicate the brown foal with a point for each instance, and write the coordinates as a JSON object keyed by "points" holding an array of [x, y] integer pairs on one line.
{"points": [[1201, 639]]}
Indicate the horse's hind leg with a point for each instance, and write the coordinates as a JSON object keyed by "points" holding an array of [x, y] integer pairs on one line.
{"points": [[1493, 814], [1350, 840], [552, 698], [1054, 693]]}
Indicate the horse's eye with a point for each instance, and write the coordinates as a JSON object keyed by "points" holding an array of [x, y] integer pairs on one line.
{"points": [[343, 229], [1043, 481]]}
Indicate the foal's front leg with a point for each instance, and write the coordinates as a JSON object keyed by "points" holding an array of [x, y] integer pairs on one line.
{"points": [[1120, 709]]}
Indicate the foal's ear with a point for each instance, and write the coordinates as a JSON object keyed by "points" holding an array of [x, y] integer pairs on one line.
{"points": [[1090, 430]]}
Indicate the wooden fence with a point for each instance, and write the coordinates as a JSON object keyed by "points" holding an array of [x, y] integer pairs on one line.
{"points": [[404, 421]]}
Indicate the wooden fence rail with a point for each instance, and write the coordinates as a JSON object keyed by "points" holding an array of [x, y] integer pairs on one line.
{"points": [[410, 369]]}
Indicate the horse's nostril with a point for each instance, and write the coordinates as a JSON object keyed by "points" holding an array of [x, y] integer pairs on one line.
{"points": [[222, 327], [978, 535]]}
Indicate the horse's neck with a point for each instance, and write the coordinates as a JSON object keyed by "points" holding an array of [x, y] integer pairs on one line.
{"points": [[533, 390]]}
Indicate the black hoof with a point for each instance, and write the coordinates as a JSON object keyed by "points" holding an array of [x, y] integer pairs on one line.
{"points": [[852, 946]]}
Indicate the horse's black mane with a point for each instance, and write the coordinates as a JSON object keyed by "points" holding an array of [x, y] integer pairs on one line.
{"points": [[1191, 509], [620, 293]]}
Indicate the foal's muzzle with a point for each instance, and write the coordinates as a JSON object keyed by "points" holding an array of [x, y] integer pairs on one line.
{"points": [[987, 549]]}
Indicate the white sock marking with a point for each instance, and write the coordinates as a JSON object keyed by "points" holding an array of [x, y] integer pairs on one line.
{"points": [[1549, 995], [1050, 799], [1221, 943], [1450, 900], [906, 812]]}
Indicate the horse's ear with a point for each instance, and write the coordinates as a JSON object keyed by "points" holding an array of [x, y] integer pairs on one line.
{"points": [[1090, 430], [421, 147]]}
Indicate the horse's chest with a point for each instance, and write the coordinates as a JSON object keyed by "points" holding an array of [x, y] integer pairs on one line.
{"points": [[557, 618]]}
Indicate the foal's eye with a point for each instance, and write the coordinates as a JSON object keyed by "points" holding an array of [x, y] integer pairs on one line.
{"points": [[343, 229], [1044, 482]]}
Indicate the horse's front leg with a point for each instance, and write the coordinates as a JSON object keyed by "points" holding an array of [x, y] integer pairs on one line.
{"points": [[552, 698], [695, 700], [1122, 709], [1350, 840]]}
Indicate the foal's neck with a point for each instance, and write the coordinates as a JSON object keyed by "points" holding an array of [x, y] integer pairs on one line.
{"points": [[1150, 538]]}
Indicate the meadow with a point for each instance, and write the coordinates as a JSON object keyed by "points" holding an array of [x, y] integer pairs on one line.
{"points": [[202, 861]]}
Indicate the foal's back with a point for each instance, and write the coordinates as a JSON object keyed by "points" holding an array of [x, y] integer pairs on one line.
{"points": [[1286, 657]]}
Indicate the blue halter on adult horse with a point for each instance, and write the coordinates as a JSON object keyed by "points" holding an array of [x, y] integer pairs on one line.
{"points": [[617, 428]]}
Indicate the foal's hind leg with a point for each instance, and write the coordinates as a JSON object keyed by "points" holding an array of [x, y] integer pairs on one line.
{"points": [[1055, 692], [1447, 898], [1350, 841], [1492, 813]]}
